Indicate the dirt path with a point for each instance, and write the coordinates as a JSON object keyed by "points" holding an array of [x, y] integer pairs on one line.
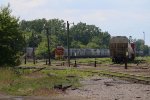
{"points": [[98, 88]]}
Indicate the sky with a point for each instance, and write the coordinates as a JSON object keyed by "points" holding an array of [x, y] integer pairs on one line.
{"points": [[118, 17]]}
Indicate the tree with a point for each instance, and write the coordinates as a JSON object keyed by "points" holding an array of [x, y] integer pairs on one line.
{"points": [[42, 50], [89, 35], [146, 50], [81, 35], [104, 40], [56, 30], [11, 38], [139, 45]]}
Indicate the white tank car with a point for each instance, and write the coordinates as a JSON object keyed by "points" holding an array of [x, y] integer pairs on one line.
{"points": [[87, 52]]}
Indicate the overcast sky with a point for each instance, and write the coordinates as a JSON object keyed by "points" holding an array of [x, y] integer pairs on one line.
{"points": [[118, 17]]}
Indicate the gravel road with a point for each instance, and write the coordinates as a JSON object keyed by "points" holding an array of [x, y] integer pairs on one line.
{"points": [[98, 88]]}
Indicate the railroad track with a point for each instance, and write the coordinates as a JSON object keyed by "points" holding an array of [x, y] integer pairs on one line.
{"points": [[35, 69], [128, 77]]}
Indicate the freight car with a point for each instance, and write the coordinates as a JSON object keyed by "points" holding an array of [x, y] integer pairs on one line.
{"points": [[120, 48], [87, 53]]}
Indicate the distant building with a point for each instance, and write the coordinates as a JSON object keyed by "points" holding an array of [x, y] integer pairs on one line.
{"points": [[29, 52]]}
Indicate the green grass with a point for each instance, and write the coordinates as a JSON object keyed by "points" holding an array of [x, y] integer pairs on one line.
{"points": [[25, 82], [68, 72], [91, 60], [7, 76], [25, 86]]}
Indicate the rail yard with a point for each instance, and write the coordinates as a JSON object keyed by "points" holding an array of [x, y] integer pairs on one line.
{"points": [[85, 81], [71, 50]]}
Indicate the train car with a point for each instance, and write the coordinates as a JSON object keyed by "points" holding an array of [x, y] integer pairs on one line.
{"points": [[120, 48], [87, 53]]}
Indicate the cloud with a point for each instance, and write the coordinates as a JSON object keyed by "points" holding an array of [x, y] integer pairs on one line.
{"points": [[23, 6], [34, 9], [115, 16]]}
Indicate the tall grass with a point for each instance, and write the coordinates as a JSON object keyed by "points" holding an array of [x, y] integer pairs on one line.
{"points": [[7, 76], [91, 60], [26, 83]]}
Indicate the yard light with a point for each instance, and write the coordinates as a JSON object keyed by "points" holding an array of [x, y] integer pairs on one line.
{"points": [[144, 37]]}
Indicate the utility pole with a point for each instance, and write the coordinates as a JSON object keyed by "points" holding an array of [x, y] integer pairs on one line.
{"points": [[25, 51], [48, 42], [34, 54], [68, 42], [75, 64], [34, 37], [95, 59]]}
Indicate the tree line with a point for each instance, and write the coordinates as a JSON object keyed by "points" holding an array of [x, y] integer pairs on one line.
{"points": [[81, 35], [17, 34]]}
